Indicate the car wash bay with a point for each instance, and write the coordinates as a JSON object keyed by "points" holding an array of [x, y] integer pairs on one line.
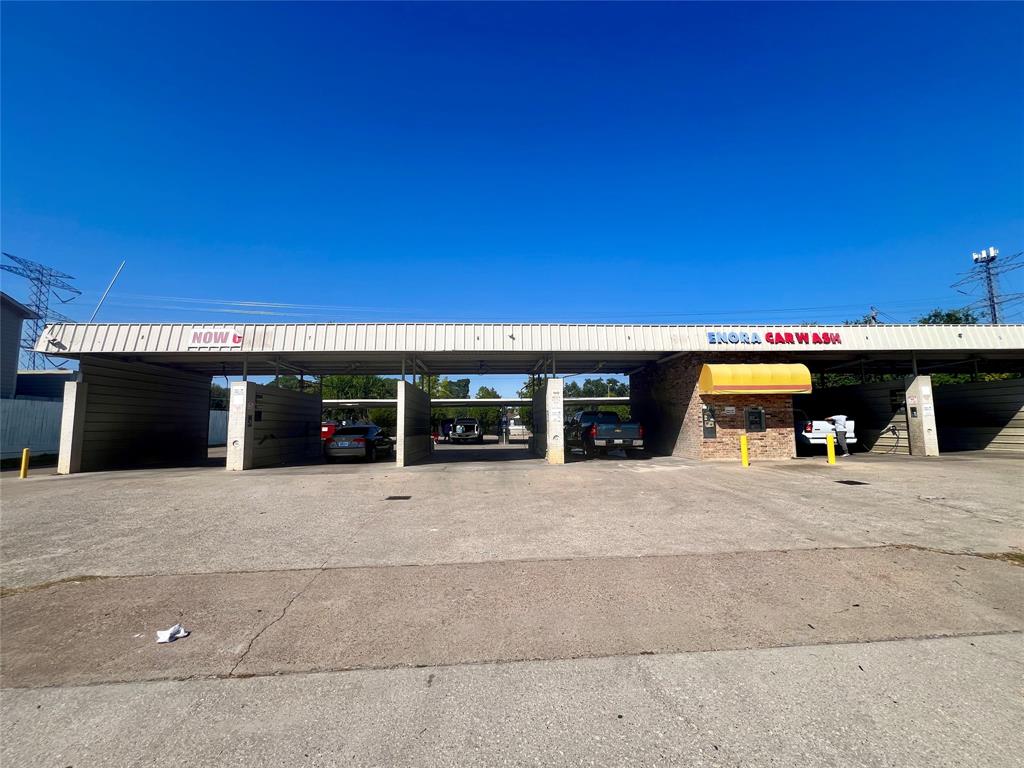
{"points": [[418, 418], [142, 395]]}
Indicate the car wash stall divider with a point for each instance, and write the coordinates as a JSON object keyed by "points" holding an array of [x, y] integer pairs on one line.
{"points": [[121, 415], [268, 426], [412, 426]]}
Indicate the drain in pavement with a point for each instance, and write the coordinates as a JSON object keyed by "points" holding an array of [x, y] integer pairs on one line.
{"points": [[397, 498], [852, 482]]}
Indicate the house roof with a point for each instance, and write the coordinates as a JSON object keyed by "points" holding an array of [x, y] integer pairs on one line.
{"points": [[18, 307]]}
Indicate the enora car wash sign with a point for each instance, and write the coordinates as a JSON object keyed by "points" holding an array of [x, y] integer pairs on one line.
{"points": [[773, 337], [222, 338]]}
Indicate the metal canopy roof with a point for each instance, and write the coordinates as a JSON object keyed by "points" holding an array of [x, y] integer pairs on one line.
{"points": [[454, 348]]}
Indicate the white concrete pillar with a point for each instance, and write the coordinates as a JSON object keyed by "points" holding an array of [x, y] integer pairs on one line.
{"points": [[549, 421], [72, 428], [241, 431], [924, 436]]}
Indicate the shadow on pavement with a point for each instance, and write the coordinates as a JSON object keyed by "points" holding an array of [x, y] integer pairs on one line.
{"points": [[490, 451]]}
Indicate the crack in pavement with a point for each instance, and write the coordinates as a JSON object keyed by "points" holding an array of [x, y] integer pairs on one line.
{"points": [[63, 581], [502, 611], [640, 658], [284, 611]]}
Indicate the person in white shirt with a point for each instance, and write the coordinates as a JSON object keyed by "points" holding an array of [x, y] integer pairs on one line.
{"points": [[839, 422]]}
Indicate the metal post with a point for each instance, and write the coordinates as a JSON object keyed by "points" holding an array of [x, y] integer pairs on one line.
{"points": [[974, 376], [831, 445], [554, 373], [744, 451], [403, 367], [277, 370], [245, 367], [25, 453], [993, 306], [104, 296], [913, 362]]}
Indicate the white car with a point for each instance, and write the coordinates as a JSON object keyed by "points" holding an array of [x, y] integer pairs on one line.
{"points": [[517, 430], [810, 432]]}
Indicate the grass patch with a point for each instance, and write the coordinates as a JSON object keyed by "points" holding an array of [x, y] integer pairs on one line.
{"points": [[8, 591], [1017, 558]]}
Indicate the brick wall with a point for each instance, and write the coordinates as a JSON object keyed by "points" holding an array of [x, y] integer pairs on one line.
{"points": [[664, 398], [776, 442]]}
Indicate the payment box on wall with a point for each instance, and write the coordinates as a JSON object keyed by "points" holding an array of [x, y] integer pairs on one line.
{"points": [[707, 413], [754, 418]]}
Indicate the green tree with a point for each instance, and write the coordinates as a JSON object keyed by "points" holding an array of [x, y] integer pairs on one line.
{"points": [[220, 397], [600, 388], [526, 392], [489, 417], [288, 382], [383, 417], [457, 388], [361, 388], [948, 317], [440, 387]]}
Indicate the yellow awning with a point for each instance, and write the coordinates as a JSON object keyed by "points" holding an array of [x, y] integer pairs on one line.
{"points": [[759, 379]]}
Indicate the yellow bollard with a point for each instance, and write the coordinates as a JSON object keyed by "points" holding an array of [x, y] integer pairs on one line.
{"points": [[831, 443], [744, 451], [24, 463]]}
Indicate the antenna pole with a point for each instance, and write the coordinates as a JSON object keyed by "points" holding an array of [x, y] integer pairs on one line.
{"points": [[104, 296]]}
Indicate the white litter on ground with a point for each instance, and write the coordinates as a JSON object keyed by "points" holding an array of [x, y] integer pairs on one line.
{"points": [[170, 635]]}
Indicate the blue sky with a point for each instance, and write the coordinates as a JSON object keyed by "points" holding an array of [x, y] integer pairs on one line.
{"points": [[547, 162]]}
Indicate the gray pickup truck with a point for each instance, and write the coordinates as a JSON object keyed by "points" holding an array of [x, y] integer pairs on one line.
{"points": [[598, 432]]}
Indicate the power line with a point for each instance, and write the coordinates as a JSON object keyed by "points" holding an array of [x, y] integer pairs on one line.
{"points": [[45, 282], [283, 309], [985, 276], [800, 315]]}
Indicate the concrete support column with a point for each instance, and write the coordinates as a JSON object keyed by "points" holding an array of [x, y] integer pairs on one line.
{"points": [[72, 428], [924, 436], [548, 438], [412, 428], [241, 427]]}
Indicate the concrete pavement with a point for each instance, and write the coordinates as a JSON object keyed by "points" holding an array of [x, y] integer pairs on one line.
{"points": [[912, 704], [350, 618], [508, 613], [210, 521]]}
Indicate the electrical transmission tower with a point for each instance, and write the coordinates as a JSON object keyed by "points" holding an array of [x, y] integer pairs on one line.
{"points": [[985, 276], [44, 281]]}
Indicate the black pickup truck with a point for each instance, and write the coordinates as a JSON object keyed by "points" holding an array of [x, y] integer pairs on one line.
{"points": [[598, 432]]}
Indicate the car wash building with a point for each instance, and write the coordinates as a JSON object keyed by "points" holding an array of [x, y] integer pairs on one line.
{"points": [[141, 396]]}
